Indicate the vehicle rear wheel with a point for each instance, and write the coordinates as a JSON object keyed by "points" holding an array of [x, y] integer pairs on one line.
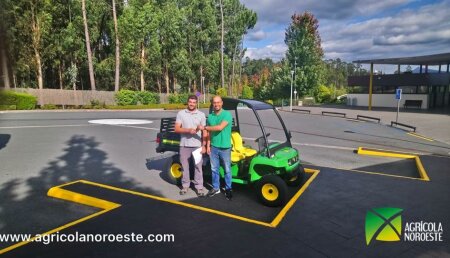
{"points": [[272, 191], [297, 179], [173, 171]]}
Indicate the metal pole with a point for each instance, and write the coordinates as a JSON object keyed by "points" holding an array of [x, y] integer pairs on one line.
{"points": [[204, 89], [398, 110], [292, 80], [370, 86], [295, 76]]}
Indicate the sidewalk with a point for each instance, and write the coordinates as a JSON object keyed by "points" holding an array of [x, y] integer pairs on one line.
{"points": [[428, 123]]}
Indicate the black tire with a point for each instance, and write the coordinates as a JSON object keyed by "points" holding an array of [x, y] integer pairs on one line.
{"points": [[272, 190], [173, 171], [297, 179]]}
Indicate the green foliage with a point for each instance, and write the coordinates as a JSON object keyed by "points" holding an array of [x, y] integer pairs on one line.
{"points": [[304, 53], [49, 107], [129, 97], [155, 106], [323, 94], [336, 72], [126, 97], [177, 40], [7, 107], [147, 97], [177, 98], [221, 92], [269, 101], [22, 101], [308, 101], [96, 104], [247, 92]]}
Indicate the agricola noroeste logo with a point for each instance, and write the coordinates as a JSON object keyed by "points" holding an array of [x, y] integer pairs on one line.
{"points": [[383, 224]]}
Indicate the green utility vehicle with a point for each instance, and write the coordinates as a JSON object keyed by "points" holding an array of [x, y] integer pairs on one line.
{"points": [[271, 168]]}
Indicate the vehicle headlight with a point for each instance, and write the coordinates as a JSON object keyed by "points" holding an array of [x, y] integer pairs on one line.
{"points": [[292, 161]]}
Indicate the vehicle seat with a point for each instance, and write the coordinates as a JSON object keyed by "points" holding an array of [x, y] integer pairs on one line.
{"points": [[239, 147], [236, 156]]}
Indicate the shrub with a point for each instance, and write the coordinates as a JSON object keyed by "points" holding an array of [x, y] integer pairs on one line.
{"points": [[221, 92], [7, 107], [323, 94], [269, 101], [49, 106], [126, 97], [308, 101], [96, 104], [183, 98], [22, 101], [247, 92], [147, 97], [178, 98]]}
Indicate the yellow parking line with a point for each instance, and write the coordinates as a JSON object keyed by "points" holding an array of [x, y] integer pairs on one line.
{"points": [[384, 153], [106, 206], [373, 173], [60, 193], [421, 137], [225, 214], [291, 202]]}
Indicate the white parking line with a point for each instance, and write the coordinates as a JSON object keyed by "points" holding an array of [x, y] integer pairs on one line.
{"points": [[139, 127]]}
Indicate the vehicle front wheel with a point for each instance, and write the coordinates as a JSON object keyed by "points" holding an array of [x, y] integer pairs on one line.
{"points": [[173, 171], [297, 179], [272, 191]]}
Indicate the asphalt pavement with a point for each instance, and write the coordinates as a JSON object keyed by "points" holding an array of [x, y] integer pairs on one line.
{"points": [[40, 150]]}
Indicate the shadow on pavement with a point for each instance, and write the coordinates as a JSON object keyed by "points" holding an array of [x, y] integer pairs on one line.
{"points": [[4, 139], [24, 205], [404, 167]]}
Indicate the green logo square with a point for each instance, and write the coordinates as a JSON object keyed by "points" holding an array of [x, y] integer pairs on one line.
{"points": [[385, 224]]}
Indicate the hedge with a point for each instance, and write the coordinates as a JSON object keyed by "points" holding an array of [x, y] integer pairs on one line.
{"points": [[129, 97], [21, 101]]}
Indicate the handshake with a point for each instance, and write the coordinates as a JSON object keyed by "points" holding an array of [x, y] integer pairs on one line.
{"points": [[195, 130]]}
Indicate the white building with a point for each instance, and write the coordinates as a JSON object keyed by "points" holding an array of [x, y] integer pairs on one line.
{"points": [[421, 90]]}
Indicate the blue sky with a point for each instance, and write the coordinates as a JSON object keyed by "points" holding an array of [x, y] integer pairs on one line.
{"points": [[353, 30]]}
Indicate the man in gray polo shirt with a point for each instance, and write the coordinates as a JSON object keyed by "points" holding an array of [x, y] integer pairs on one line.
{"points": [[187, 124]]}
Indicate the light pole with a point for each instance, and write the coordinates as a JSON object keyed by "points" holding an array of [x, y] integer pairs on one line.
{"points": [[292, 81], [204, 89], [295, 78]]}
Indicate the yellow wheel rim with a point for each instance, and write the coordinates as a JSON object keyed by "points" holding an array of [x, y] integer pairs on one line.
{"points": [[175, 170], [270, 192]]}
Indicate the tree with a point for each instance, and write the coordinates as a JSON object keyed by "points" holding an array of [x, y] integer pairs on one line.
{"points": [[222, 79], [304, 50], [238, 20], [116, 32], [88, 45]]}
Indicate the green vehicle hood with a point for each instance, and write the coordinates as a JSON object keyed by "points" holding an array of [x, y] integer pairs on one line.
{"points": [[286, 153]]}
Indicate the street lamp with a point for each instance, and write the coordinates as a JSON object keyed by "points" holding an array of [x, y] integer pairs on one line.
{"points": [[295, 76], [203, 89], [292, 80]]}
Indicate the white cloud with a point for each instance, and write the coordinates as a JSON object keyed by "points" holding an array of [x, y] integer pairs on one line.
{"points": [[280, 12], [275, 52], [257, 35], [421, 31]]}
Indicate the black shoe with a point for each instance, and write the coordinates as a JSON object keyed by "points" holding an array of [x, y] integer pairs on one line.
{"points": [[213, 192], [228, 194]]}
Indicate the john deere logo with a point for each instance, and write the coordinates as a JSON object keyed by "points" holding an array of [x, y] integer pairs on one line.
{"points": [[385, 224]]}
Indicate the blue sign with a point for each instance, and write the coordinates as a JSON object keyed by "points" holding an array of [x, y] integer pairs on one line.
{"points": [[198, 94], [398, 94]]}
